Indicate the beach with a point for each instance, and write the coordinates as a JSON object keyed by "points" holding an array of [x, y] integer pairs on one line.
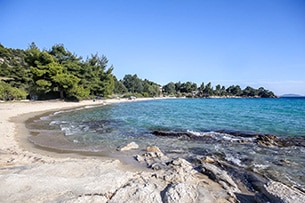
{"points": [[28, 174], [32, 174]]}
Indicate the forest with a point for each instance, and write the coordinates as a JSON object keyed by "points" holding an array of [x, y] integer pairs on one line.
{"points": [[58, 73]]}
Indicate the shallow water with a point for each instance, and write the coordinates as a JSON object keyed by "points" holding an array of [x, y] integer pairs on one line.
{"points": [[106, 128]]}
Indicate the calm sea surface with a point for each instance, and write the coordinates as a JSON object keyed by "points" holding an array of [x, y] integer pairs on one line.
{"points": [[105, 128]]}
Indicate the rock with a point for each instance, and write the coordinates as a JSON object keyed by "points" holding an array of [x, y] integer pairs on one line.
{"points": [[129, 146], [153, 149], [271, 140], [180, 192], [157, 166], [87, 198], [66, 180], [139, 189], [278, 192], [208, 159], [179, 170], [173, 134], [139, 158], [267, 140], [154, 158], [219, 176]]}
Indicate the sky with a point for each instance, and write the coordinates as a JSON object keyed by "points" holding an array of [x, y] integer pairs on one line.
{"points": [[229, 42]]}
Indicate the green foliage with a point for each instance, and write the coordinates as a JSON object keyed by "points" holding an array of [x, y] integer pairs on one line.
{"points": [[169, 89], [139, 87], [119, 87], [7, 92], [59, 73], [189, 89]]}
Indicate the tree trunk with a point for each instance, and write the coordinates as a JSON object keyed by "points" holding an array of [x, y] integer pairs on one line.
{"points": [[61, 94]]}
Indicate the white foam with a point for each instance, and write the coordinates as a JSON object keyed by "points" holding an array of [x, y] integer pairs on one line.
{"points": [[234, 160], [195, 133]]}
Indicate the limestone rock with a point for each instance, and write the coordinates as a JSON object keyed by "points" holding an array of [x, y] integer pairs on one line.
{"points": [[180, 192], [176, 171], [278, 192], [129, 146], [154, 158], [140, 189], [68, 180], [153, 149], [208, 159], [87, 198], [219, 176]]}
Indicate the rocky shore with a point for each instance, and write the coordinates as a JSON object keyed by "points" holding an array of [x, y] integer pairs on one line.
{"points": [[29, 174]]}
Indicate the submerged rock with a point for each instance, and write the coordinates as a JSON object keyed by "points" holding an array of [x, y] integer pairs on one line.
{"points": [[129, 146], [272, 140], [173, 134], [153, 149]]}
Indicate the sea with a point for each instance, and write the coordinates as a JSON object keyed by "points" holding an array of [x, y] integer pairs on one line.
{"points": [[223, 129]]}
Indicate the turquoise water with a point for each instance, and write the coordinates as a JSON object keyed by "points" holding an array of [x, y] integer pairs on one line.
{"points": [[107, 127], [281, 117]]}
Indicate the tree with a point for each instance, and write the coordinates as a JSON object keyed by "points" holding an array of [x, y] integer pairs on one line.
{"points": [[97, 77], [49, 76], [263, 93], [7, 92], [133, 83], [218, 90], [208, 90], [249, 92], [234, 90], [223, 91], [169, 88], [119, 87], [150, 89]]}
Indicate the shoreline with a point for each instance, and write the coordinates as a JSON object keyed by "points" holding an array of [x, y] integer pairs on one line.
{"points": [[28, 170], [15, 115]]}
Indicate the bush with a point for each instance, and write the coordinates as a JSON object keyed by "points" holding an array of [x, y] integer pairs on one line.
{"points": [[7, 92]]}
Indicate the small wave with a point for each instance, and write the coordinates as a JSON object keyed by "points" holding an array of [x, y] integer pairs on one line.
{"points": [[231, 138], [72, 129], [261, 166], [44, 118], [221, 136], [234, 160], [195, 133], [52, 123]]}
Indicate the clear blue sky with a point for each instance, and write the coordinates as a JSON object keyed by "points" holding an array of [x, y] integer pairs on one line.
{"points": [[245, 42]]}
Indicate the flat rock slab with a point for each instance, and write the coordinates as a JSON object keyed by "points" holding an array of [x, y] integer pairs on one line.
{"points": [[63, 181]]}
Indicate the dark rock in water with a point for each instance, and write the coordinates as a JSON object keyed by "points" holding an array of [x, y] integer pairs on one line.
{"points": [[268, 140], [173, 134], [263, 140], [272, 140]]}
